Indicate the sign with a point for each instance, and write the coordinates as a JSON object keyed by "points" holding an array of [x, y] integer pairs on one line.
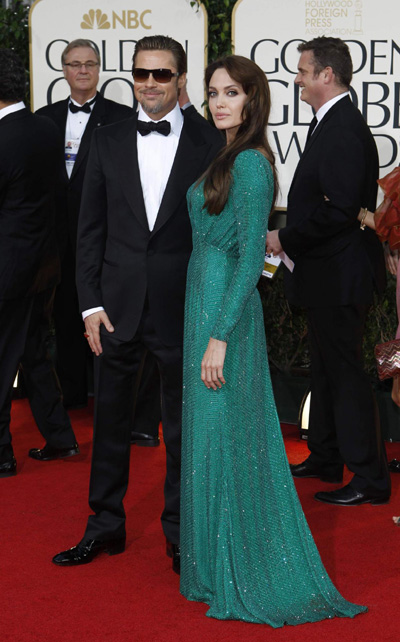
{"points": [[269, 33], [114, 26]]}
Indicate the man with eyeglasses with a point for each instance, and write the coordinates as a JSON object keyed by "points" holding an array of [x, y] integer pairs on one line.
{"points": [[134, 243], [76, 117]]}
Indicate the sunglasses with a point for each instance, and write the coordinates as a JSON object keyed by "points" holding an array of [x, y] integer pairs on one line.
{"points": [[159, 75]]}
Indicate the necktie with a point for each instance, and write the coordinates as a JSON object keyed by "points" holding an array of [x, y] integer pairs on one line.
{"points": [[85, 108], [311, 128], [145, 127]]}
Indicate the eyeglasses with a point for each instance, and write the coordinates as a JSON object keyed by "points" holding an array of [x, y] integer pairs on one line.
{"points": [[159, 75], [78, 65]]}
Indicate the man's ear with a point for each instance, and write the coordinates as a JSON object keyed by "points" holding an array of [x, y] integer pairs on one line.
{"points": [[181, 80], [329, 75]]}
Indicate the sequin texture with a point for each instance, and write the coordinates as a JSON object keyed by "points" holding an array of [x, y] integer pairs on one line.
{"points": [[246, 549]]}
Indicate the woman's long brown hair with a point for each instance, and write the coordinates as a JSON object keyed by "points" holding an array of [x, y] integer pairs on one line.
{"points": [[251, 133]]}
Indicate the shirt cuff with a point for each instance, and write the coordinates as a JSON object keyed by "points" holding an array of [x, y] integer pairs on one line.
{"points": [[87, 313]]}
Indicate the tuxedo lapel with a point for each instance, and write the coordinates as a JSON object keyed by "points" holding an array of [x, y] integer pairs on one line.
{"points": [[96, 120], [183, 173], [59, 116], [317, 133], [123, 148]]}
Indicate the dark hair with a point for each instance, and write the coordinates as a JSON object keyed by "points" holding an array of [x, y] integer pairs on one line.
{"points": [[251, 133], [330, 52], [163, 43], [12, 77], [80, 42]]}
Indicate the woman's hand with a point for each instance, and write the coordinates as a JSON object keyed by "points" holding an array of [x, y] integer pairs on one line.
{"points": [[391, 259], [213, 363]]}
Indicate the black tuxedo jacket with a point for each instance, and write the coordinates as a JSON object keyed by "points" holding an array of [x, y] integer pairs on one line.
{"points": [[336, 263], [104, 112], [119, 260], [30, 167]]}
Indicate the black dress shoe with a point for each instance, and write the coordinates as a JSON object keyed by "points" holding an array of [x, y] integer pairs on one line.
{"points": [[87, 550], [349, 496], [141, 439], [308, 469], [8, 468], [394, 466], [49, 452], [174, 551]]}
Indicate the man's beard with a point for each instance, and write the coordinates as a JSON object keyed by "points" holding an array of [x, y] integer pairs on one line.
{"points": [[152, 107]]}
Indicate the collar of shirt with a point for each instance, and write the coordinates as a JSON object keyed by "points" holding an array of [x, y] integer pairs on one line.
{"points": [[11, 109], [322, 111], [86, 101], [174, 117]]}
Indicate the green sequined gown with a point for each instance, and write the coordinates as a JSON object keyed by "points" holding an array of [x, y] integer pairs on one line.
{"points": [[246, 549]]}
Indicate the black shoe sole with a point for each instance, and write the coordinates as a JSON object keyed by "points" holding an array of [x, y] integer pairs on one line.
{"points": [[324, 478], [68, 453], [12, 473], [147, 443], [373, 502]]}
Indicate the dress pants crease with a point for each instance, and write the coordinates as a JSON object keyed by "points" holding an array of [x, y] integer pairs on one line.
{"points": [[115, 373], [24, 327], [344, 423], [72, 349]]}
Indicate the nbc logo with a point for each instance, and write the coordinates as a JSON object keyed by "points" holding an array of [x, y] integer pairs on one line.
{"points": [[129, 19], [95, 17]]}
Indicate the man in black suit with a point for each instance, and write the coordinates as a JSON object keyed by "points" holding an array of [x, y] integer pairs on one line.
{"points": [[337, 268], [134, 244], [76, 118], [29, 266]]}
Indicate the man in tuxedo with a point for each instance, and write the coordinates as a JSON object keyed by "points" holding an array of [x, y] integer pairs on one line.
{"points": [[76, 118], [29, 266], [134, 243], [337, 268], [147, 395]]}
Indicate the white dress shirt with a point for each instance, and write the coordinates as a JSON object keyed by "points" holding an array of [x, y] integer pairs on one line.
{"points": [[74, 130], [156, 154], [11, 109]]}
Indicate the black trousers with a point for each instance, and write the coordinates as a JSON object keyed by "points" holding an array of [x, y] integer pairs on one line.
{"points": [[73, 354], [115, 373], [147, 397], [344, 421], [24, 329]]}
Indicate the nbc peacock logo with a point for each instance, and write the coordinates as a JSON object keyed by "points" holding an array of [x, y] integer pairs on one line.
{"points": [[95, 19]]}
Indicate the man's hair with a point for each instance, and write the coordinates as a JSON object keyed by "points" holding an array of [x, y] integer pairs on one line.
{"points": [[163, 43], [330, 52], [12, 77], [80, 42]]}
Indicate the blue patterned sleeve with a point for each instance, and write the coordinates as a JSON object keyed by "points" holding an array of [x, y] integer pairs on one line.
{"points": [[251, 198]]}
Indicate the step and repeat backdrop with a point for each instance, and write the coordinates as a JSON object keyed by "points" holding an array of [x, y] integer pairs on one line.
{"points": [[269, 31], [113, 26]]}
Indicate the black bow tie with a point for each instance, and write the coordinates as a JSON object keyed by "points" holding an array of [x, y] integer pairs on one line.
{"points": [[311, 128], [145, 127], [85, 108]]}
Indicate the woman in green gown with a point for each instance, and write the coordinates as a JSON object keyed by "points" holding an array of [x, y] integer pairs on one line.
{"points": [[246, 548]]}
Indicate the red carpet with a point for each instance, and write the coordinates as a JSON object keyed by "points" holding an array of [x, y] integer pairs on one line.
{"points": [[135, 596]]}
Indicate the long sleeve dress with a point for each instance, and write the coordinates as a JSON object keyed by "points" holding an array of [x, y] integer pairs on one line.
{"points": [[246, 548]]}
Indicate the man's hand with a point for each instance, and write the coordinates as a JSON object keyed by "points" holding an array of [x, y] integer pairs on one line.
{"points": [[92, 325], [273, 243], [213, 363]]}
